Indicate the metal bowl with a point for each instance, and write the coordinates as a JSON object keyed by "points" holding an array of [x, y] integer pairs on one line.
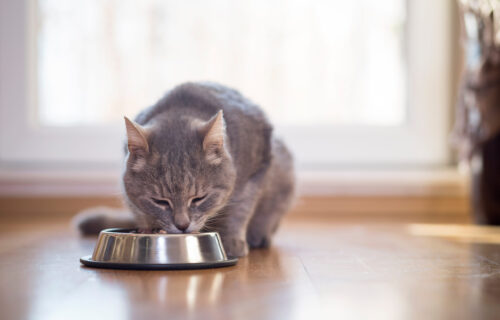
{"points": [[124, 249]]}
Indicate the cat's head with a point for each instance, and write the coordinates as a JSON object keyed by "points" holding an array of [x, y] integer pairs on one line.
{"points": [[179, 172]]}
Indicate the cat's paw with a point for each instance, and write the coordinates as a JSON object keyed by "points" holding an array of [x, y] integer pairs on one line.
{"points": [[235, 247], [258, 240]]}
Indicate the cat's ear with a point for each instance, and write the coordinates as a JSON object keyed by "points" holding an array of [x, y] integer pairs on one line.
{"points": [[136, 136], [214, 139]]}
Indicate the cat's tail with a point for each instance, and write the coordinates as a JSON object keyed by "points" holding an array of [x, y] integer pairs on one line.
{"points": [[92, 220]]}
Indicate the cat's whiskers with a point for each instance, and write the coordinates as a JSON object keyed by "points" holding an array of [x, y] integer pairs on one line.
{"points": [[211, 222]]}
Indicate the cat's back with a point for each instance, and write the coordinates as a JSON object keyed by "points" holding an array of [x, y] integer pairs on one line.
{"points": [[247, 126], [203, 100]]}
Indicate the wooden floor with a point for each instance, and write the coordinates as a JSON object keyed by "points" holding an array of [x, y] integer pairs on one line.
{"points": [[315, 270]]}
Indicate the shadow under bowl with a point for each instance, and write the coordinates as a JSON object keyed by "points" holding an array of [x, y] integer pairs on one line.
{"points": [[124, 249]]}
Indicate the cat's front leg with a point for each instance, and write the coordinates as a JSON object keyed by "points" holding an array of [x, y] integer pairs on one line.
{"points": [[233, 224], [235, 246], [232, 230]]}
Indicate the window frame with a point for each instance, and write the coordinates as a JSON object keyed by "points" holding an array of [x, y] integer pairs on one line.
{"points": [[421, 141]]}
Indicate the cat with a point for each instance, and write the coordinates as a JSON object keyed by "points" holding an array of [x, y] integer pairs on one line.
{"points": [[203, 158]]}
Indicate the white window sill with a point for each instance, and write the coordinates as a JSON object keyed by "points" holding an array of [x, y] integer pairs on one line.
{"points": [[418, 182]]}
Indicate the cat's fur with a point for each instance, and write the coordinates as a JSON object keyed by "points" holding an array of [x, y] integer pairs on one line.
{"points": [[209, 157]]}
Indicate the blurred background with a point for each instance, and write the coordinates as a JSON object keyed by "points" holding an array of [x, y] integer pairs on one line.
{"points": [[363, 91], [391, 108]]}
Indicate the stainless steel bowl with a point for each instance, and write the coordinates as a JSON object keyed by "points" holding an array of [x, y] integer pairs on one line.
{"points": [[121, 248]]}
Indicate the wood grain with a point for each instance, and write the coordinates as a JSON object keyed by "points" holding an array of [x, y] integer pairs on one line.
{"points": [[314, 270]]}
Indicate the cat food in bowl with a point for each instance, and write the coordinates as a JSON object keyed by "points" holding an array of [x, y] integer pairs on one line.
{"points": [[127, 249]]}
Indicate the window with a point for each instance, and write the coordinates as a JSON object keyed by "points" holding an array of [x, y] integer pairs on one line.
{"points": [[307, 62], [345, 82]]}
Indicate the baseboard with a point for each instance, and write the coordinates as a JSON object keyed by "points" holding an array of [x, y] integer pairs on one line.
{"points": [[445, 208], [46, 207], [370, 182]]}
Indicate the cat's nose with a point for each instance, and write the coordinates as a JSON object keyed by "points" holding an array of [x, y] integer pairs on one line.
{"points": [[181, 221], [182, 226]]}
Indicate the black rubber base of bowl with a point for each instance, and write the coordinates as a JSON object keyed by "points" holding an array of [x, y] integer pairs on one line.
{"points": [[87, 261]]}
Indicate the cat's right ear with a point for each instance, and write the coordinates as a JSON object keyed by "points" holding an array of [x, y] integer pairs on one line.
{"points": [[137, 141], [214, 138]]}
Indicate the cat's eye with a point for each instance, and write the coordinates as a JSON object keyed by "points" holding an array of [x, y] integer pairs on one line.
{"points": [[162, 202], [197, 200]]}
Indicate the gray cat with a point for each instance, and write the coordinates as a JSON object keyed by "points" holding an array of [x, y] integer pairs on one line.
{"points": [[204, 158]]}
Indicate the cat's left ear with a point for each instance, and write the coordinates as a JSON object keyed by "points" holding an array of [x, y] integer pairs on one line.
{"points": [[136, 136], [214, 140]]}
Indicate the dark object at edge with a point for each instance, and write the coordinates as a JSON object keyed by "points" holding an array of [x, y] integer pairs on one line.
{"points": [[485, 184]]}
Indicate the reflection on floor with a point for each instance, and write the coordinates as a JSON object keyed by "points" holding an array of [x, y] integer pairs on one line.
{"points": [[326, 270], [462, 233]]}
